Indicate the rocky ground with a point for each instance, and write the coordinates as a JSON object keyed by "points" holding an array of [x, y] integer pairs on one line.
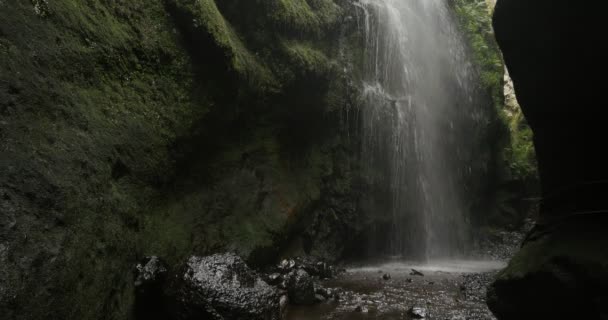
{"points": [[222, 286], [392, 291], [452, 290]]}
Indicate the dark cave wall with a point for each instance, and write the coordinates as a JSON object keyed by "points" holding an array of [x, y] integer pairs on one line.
{"points": [[556, 69], [551, 51]]}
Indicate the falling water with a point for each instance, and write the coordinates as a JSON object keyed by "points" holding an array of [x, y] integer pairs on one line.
{"points": [[419, 96]]}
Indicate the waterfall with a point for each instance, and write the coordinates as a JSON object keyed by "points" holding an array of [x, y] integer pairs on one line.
{"points": [[418, 123]]}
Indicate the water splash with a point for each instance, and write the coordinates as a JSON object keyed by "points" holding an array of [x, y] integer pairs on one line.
{"points": [[418, 123]]}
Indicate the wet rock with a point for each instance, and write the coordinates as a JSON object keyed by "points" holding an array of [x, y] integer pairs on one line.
{"points": [[222, 286], [150, 273], [283, 303], [150, 278], [320, 298], [362, 309], [334, 294], [416, 273], [322, 270], [386, 276], [326, 293], [287, 265], [301, 287], [418, 312], [313, 266], [274, 279]]}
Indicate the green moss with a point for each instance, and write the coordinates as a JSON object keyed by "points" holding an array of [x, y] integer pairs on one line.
{"points": [[206, 18], [305, 58], [83, 87], [514, 163], [249, 207], [520, 154], [117, 141], [476, 22], [303, 16], [576, 242]]}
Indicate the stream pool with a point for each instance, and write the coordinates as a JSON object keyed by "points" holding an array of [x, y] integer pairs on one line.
{"points": [[452, 290]]}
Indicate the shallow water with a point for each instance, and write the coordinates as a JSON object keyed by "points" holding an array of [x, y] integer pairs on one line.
{"points": [[448, 290], [449, 266]]}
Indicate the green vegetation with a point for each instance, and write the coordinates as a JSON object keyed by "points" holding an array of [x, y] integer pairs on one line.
{"points": [[517, 175], [141, 127], [202, 17], [476, 22], [306, 58], [520, 154], [302, 16]]}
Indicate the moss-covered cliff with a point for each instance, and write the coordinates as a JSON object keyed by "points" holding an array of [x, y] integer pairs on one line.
{"points": [[165, 127]]}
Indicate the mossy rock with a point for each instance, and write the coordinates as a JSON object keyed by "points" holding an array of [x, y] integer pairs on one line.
{"points": [[202, 18], [559, 273]]}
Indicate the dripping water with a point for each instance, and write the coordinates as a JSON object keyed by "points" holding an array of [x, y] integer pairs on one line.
{"points": [[419, 107]]}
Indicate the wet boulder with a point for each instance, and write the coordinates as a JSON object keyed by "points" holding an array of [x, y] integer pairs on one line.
{"points": [[150, 276], [418, 313], [314, 267], [301, 287], [222, 286], [287, 265], [273, 279], [416, 273]]}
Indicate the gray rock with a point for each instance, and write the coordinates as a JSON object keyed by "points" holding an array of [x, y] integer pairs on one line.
{"points": [[418, 312], [287, 265], [222, 287], [301, 288], [416, 273], [320, 298], [362, 309], [274, 279], [150, 273], [283, 304]]}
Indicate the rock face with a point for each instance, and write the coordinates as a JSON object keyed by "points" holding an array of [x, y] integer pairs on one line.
{"points": [[222, 287], [550, 48], [170, 127], [301, 287]]}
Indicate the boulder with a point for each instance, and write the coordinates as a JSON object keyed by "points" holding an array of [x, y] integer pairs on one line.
{"points": [[418, 312], [150, 274], [314, 267], [222, 286], [301, 288]]}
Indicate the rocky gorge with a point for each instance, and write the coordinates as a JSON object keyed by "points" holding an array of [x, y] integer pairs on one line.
{"points": [[225, 159]]}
